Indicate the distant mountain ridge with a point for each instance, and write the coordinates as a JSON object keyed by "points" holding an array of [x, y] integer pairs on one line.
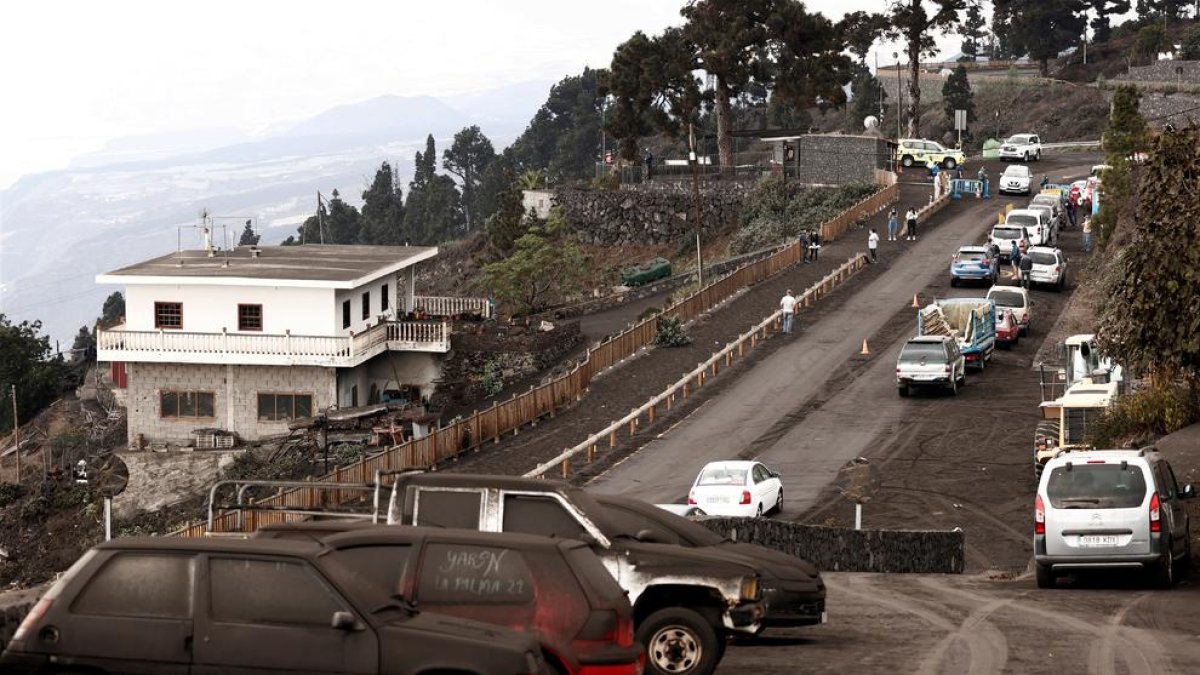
{"points": [[127, 201]]}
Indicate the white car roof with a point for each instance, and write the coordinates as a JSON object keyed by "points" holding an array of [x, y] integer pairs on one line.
{"points": [[1022, 136], [1082, 456], [1044, 249], [1024, 212], [1044, 197], [926, 339], [1015, 289], [730, 465], [974, 249]]}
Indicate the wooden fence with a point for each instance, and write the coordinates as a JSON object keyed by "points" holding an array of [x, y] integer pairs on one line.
{"points": [[508, 417]]}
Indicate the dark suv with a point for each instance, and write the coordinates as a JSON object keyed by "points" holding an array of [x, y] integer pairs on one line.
{"points": [[685, 600], [556, 588], [792, 588], [164, 605]]}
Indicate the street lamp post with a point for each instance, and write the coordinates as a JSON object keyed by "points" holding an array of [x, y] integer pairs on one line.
{"points": [[899, 95], [696, 201]]}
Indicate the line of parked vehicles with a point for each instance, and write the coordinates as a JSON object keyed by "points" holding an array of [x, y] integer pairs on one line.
{"points": [[470, 574]]}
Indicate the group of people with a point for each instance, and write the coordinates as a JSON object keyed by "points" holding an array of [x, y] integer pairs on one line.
{"points": [[810, 245], [893, 225]]}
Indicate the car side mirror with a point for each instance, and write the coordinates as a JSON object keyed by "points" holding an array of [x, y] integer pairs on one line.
{"points": [[1189, 492], [345, 621], [649, 536]]}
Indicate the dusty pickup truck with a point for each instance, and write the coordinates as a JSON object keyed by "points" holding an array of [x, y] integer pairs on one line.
{"points": [[685, 600]]}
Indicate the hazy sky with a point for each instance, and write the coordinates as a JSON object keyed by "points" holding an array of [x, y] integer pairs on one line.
{"points": [[80, 72]]}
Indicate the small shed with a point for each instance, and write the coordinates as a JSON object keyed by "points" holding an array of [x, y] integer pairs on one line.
{"points": [[832, 159]]}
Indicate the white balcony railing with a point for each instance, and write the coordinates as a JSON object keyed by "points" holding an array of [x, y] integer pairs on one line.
{"points": [[258, 349], [444, 306]]}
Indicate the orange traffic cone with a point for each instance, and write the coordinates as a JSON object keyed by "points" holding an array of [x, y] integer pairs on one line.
{"points": [[915, 303], [865, 351]]}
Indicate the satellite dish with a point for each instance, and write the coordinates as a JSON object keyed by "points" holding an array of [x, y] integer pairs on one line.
{"points": [[870, 122]]}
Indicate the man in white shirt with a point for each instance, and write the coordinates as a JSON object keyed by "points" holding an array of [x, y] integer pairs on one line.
{"points": [[873, 245], [787, 306]]}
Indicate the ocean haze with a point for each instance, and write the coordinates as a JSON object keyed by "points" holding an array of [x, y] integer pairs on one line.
{"points": [[127, 201]]}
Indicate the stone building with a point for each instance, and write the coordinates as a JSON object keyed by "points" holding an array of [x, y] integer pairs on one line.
{"points": [[246, 340], [832, 159]]}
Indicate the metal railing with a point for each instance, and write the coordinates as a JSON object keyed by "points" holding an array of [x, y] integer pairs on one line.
{"points": [[446, 306]]}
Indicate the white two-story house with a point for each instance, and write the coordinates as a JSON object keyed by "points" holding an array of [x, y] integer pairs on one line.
{"points": [[248, 339]]}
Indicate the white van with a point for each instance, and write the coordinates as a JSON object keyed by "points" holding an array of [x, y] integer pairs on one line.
{"points": [[1035, 221], [1002, 237]]}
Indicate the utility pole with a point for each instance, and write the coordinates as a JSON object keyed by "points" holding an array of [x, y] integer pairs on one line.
{"points": [[880, 87], [696, 200], [899, 95], [16, 431]]}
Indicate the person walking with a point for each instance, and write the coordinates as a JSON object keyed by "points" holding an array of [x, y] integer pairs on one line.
{"points": [[910, 223], [802, 241], [1087, 234], [873, 245], [1014, 259], [814, 244], [1026, 266], [893, 225], [787, 309]]}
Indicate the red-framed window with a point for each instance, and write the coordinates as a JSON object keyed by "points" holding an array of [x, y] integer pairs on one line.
{"points": [[250, 317], [168, 315]]}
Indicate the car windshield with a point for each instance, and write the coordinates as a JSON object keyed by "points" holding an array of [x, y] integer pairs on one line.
{"points": [[1096, 486], [1017, 139], [1008, 298], [1048, 200], [918, 352], [722, 475], [970, 256], [1007, 232], [1042, 258], [1021, 219], [1016, 172]]}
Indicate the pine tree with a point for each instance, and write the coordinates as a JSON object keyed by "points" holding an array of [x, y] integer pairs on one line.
{"points": [[249, 238], [957, 95], [914, 25], [113, 311], [973, 30], [866, 95], [468, 158], [1046, 27], [1103, 9], [433, 211], [383, 210]]}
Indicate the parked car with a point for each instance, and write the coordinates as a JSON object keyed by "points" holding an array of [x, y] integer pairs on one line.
{"points": [[1003, 236], [685, 601], [1023, 147], [682, 510], [792, 587], [1049, 266], [974, 263], [556, 589], [930, 361], [217, 605], [1054, 203], [737, 488], [1037, 223], [1008, 331], [1111, 509], [918, 152], [1015, 180], [1016, 299]]}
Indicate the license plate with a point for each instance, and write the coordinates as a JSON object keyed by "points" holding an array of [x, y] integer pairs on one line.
{"points": [[1097, 540], [718, 500]]}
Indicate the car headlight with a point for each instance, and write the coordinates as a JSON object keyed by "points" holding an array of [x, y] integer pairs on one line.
{"points": [[749, 589]]}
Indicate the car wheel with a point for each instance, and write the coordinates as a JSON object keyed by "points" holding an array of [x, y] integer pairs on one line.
{"points": [[759, 512], [1045, 577], [954, 386], [902, 389], [1038, 156], [1023, 331], [953, 282], [779, 501], [679, 641], [1164, 572], [1027, 157], [907, 161], [950, 164]]}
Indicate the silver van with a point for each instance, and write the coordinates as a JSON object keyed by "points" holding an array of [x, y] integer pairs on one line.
{"points": [[1099, 509]]}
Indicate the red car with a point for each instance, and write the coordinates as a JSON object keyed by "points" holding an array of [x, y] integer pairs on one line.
{"points": [[1007, 330]]}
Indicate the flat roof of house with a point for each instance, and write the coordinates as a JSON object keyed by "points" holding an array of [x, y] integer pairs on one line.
{"points": [[310, 265]]}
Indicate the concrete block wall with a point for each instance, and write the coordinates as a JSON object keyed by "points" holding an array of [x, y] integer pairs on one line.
{"points": [[837, 549], [235, 390], [161, 479], [831, 159]]}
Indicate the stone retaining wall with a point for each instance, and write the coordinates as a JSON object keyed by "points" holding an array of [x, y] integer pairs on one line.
{"points": [[836, 549], [627, 217], [1187, 72], [161, 479]]}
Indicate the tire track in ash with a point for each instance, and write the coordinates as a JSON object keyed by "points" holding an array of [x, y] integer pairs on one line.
{"points": [[987, 648], [1140, 651]]}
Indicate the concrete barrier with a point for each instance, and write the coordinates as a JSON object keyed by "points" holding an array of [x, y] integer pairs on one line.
{"points": [[836, 549]]}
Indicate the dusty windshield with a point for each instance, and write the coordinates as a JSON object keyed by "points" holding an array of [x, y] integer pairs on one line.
{"points": [[1096, 486], [922, 352], [1022, 219], [1008, 299], [970, 256], [1042, 258], [1007, 233]]}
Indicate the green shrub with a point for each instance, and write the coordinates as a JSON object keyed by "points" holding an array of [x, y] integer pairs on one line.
{"points": [[670, 333], [776, 211], [10, 492], [1150, 412], [491, 381]]}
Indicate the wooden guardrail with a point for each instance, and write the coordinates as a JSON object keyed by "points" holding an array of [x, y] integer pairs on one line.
{"points": [[694, 380], [508, 417]]}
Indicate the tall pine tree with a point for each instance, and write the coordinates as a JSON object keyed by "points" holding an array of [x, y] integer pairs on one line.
{"points": [[1046, 27], [914, 24], [468, 158], [433, 211], [973, 30], [383, 210]]}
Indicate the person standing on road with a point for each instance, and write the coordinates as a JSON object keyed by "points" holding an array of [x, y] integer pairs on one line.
{"points": [[893, 225], [802, 241], [787, 309], [1087, 234], [910, 223], [873, 245], [814, 244], [1014, 258], [1026, 266]]}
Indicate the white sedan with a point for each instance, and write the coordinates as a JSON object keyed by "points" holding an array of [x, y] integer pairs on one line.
{"points": [[737, 488]]}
